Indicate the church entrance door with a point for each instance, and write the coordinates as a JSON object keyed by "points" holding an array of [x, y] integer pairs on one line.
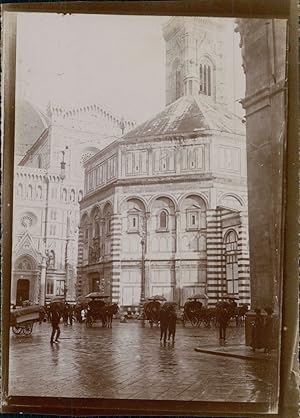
{"points": [[22, 291]]}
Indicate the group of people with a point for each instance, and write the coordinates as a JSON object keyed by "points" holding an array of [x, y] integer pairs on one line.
{"points": [[167, 320], [261, 331]]}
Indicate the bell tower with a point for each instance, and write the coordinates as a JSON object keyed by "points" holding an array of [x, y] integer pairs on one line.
{"points": [[199, 58]]}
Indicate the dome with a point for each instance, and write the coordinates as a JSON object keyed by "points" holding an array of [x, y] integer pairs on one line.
{"points": [[30, 123]]}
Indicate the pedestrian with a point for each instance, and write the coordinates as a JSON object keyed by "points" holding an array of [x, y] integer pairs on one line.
{"points": [[233, 310], [55, 320], [268, 330], [172, 318], [66, 314], [257, 330], [163, 320], [70, 312], [223, 316]]}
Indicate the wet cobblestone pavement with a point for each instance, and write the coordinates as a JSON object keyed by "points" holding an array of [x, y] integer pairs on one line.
{"points": [[128, 361]]}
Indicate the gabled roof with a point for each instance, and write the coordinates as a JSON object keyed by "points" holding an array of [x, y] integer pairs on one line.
{"points": [[190, 114], [25, 246]]}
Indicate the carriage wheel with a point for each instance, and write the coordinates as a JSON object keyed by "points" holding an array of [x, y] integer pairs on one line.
{"points": [[194, 322], [207, 323], [27, 330], [16, 330]]}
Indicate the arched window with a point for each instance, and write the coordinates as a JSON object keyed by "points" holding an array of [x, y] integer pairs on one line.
{"points": [[39, 193], [163, 220], [80, 195], [64, 195], [108, 223], [231, 257], [39, 161], [206, 77], [96, 230], [20, 190], [107, 214], [72, 195], [29, 191], [176, 79]]}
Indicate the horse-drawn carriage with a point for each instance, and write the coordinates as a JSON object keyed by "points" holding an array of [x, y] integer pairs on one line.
{"points": [[197, 314], [99, 310], [152, 309], [22, 319]]}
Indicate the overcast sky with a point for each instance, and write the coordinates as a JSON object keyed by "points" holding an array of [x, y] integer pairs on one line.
{"points": [[117, 61]]}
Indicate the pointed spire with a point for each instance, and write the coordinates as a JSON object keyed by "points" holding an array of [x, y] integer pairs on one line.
{"points": [[122, 125]]}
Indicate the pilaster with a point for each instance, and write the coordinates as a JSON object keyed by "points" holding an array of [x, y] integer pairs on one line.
{"points": [[43, 282], [216, 280]]}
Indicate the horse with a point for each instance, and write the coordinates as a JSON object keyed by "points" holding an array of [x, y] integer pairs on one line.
{"points": [[97, 309], [192, 311], [152, 312]]}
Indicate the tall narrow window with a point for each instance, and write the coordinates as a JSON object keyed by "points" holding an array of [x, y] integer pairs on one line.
{"points": [[29, 192], [50, 287], [176, 80], [20, 190], [208, 81], [206, 77], [178, 83], [163, 220], [231, 262], [201, 78]]}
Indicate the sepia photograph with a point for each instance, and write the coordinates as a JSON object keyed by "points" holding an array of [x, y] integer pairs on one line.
{"points": [[148, 208]]}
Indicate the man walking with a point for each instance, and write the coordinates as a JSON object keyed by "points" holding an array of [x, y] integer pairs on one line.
{"points": [[55, 320], [163, 320], [223, 319], [172, 319]]}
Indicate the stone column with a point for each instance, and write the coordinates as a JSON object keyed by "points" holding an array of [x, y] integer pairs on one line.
{"points": [[116, 230], [263, 52], [147, 261], [243, 259]]}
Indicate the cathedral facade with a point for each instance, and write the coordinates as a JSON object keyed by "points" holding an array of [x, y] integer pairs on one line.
{"points": [[48, 186], [165, 207]]}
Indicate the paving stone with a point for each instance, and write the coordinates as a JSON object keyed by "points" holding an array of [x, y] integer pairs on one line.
{"points": [[128, 361]]}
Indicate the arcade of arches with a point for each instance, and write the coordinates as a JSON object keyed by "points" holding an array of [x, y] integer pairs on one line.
{"points": [[177, 236]]}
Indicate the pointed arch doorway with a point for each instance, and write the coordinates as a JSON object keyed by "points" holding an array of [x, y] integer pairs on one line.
{"points": [[23, 287]]}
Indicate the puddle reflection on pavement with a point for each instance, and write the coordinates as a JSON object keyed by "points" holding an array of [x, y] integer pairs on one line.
{"points": [[128, 361]]}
